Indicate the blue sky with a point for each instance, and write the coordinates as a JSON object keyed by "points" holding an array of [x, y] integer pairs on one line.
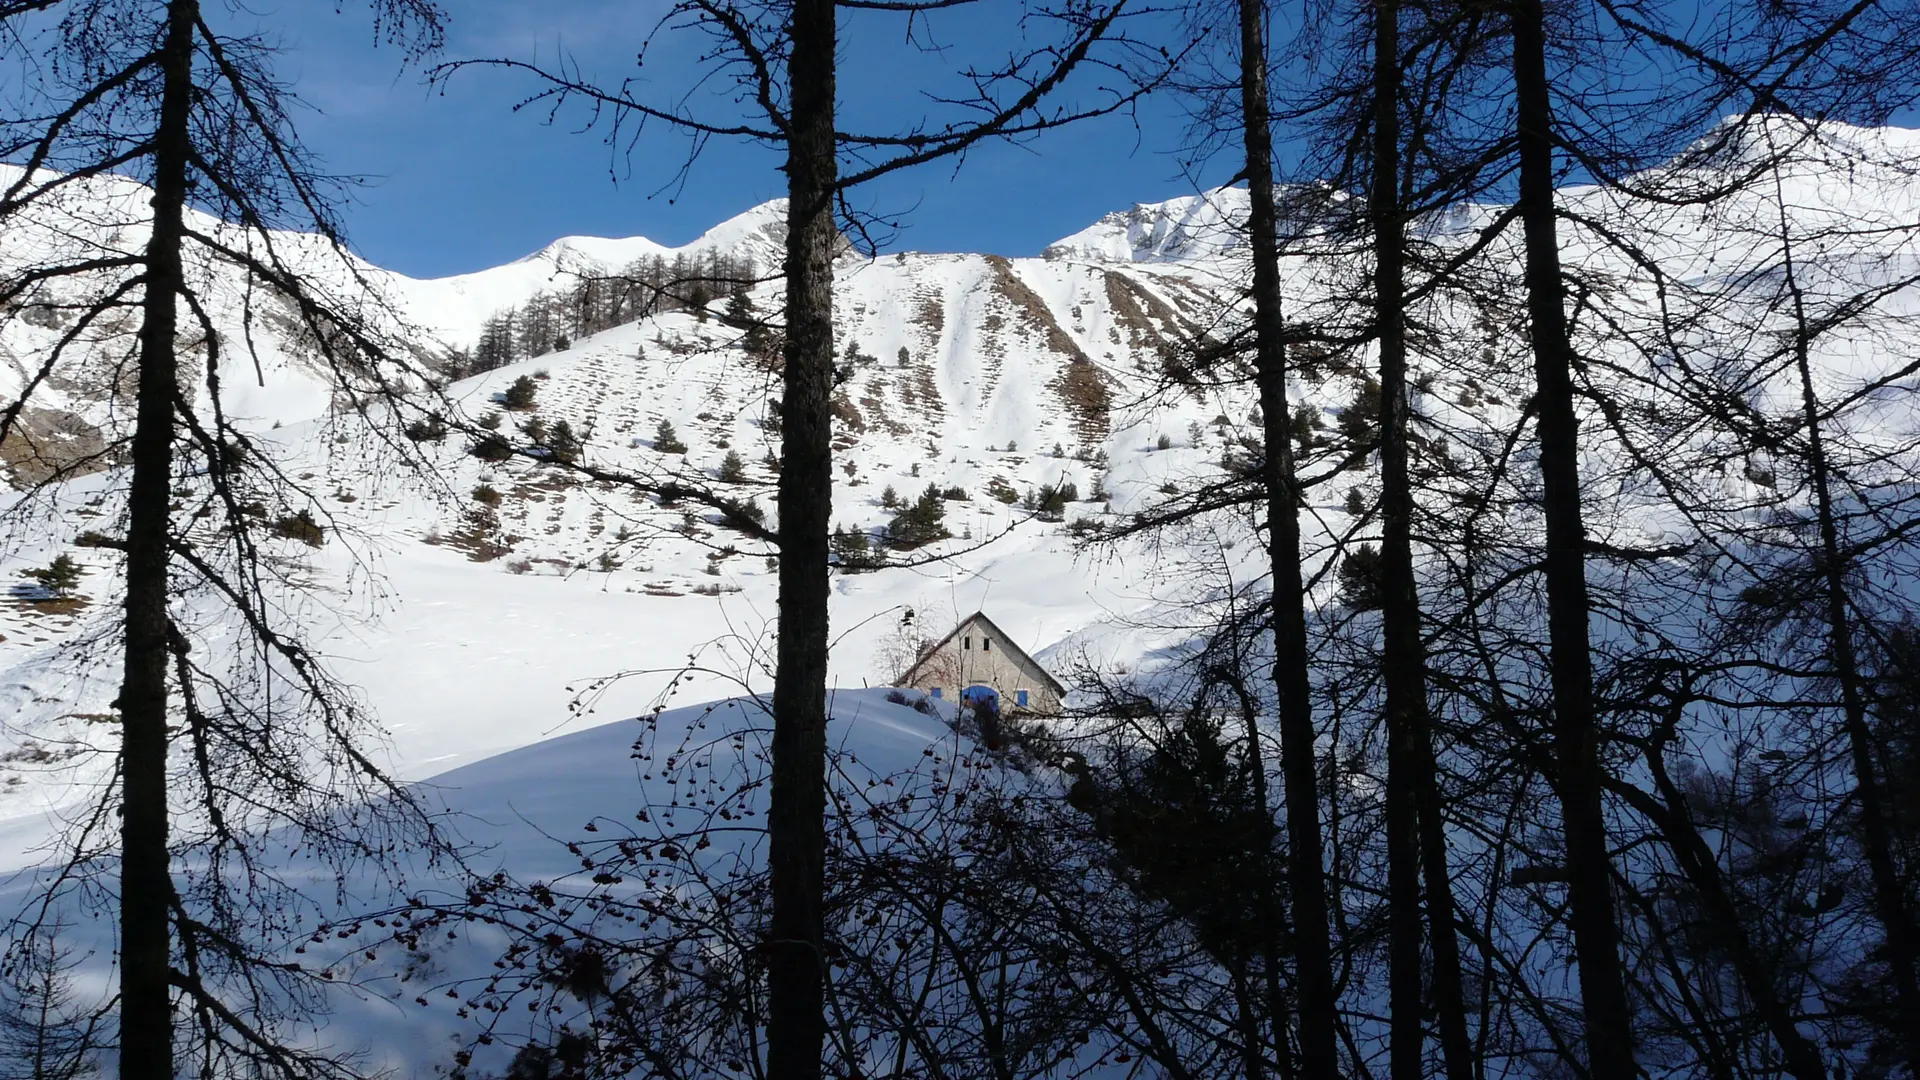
{"points": [[458, 181]]}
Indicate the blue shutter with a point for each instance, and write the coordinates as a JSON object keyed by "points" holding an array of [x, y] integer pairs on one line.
{"points": [[1020, 697], [936, 691]]}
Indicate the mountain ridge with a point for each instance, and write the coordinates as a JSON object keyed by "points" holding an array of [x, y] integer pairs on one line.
{"points": [[996, 378]]}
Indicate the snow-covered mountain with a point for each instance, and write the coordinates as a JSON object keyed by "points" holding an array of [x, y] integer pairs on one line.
{"points": [[989, 378], [470, 605], [105, 218], [452, 308], [1187, 228]]}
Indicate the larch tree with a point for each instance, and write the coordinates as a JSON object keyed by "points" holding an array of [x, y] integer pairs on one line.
{"points": [[1607, 1016], [1415, 833], [160, 93], [1298, 757]]}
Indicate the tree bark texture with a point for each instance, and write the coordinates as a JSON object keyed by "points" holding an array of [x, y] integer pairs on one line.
{"points": [[796, 820], [1609, 1032], [1318, 1016], [1405, 981], [146, 888], [1416, 838], [1416, 832]]}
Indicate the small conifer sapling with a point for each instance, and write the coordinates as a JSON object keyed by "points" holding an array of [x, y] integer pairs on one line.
{"points": [[666, 440], [562, 444], [59, 577]]}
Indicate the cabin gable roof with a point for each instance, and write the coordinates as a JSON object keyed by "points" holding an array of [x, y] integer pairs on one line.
{"points": [[1007, 643]]}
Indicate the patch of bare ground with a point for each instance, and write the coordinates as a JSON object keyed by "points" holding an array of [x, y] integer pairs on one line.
{"points": [[532, 488], [34, 752], [918, 389], [992, 349], [1033, 310], [1193, 299], [1082, 387], [1152, 324], [930, 315], [479, 537], [1130, 313], [35, 755], [1081, 384], [848, 416], [873, 402], [52, 444]]}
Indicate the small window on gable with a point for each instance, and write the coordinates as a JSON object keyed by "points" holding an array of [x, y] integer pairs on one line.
{"points": [[986, 643], [1020, 698], [967, 642], [936, 693]]}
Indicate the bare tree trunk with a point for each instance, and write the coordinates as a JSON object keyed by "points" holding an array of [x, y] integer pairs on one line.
{"points": [[1903, 939], [1456, 1042], [146, 888], [796, 820], [1596, 935], [1271, 942], [1399, 602], [1318, 1017], [1415, 836]]}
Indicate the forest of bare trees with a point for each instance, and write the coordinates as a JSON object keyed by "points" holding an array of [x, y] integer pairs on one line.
{"points": [[593, 301], [1599, 762]]}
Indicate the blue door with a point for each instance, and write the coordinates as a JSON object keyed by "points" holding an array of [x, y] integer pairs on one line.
{"points": [[974, 695]]}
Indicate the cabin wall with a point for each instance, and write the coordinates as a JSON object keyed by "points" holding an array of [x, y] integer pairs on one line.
{"points": [[978, 657]]}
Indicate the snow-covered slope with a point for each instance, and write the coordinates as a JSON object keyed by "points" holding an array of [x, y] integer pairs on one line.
{"points": [[987, 377], [502, 592], [1178, 230], [1005, 362], [419, 320], [105, 219], [399, 987], [994, 377]]}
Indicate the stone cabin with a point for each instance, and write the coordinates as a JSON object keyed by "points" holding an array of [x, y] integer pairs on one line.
{"points": [[980, 659]]}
